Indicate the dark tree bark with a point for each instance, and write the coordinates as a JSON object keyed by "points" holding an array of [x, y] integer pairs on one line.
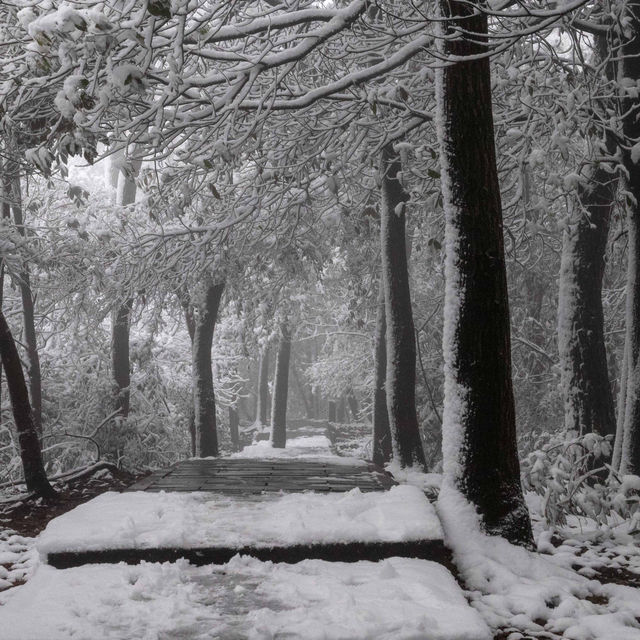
{"points": [[308, 406], [120, 363], [28, 305], [341, 411], [616, 458], [400, 339], [382, 450], [352, 401], [479, 435], [190, 323], [262, 397], [588, 398], [234, 424], [125, 187], [192, 430], [34, 474], [5, 186], [630, 449], [204, 394], [281, 390], [585, 377], [332, 410]]}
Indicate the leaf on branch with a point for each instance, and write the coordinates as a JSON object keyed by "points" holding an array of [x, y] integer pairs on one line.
{"points": [[159, 8]]}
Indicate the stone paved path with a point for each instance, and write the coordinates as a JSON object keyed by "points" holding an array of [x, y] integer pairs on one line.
{"points": [[235, 476]]}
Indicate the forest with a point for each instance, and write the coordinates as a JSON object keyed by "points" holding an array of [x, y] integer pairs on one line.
{"points": [[331, 232]]}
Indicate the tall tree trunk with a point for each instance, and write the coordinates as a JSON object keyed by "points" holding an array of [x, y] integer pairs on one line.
{"points": [[331, 409], [308, 408], [204, 394], [281, 389], [34, 474], [125, 190], [5, 187], [120, 364], [352, 401], [234, 423], [262, 397], [588, 399], [341, 411], [382, 450], [400, 339], [622, 402], [630, 449], [190, 323], [479, 435], [28, 306]]}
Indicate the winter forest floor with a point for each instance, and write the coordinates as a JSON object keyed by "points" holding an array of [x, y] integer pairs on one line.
{"points": [[583, 585]]}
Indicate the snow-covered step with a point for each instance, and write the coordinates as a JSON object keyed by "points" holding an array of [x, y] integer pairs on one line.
{"points": [[210, 527], [396, 599]]}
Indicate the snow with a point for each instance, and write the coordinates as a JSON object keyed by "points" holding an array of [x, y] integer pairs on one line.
{"points": [[316, 447], [394, 599], [513, 588], [410, 475], [199, 519], [568, 303], [455, 394], [18, 559]]}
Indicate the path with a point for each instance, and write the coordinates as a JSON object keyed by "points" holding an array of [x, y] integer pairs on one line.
{"points": [[297, 543], [287, 505], [244, 476]]}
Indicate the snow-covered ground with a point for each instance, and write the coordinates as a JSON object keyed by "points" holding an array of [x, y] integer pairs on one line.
{"points": [[18, 559], [317, 447], [188, 520], [508, 590], [527, 592], [394, 599]]}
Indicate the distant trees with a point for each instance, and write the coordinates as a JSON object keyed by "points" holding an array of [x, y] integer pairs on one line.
{"points": [[281, 388], [262, 394]]}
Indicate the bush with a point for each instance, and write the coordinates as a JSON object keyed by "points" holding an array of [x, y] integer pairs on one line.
{"points": [[572, 475]]}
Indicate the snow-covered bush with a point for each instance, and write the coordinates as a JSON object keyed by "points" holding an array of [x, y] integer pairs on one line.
{"points": [[572, 475]]}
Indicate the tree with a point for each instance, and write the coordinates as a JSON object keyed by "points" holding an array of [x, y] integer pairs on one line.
{"points": [[581, 344], [479, 436], [262, 396], [207, 305], [281, 388], [382, 449], [120, 363], [630, 50], [35, 476], [400, 381], [125, 195], [12, 171], [234, 423]]}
